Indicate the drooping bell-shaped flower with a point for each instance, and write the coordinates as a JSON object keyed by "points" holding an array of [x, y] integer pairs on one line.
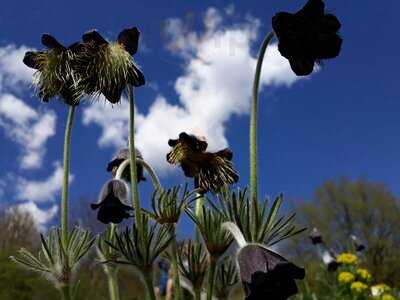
{"points": [[112, 204], [357, 243], [307, 36], [264, 273], [327, 256], [211, 171]]}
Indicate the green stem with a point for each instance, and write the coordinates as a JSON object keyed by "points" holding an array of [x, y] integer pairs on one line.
{"points": [[149, 169], [198, 212], [174, 263], [134, 186], [211, 275], [113, 284], [65, 292], [64, 195], [148, 280], [253, 130], [197, 294]]}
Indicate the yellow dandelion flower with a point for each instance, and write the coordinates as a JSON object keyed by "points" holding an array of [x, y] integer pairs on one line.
{"points": [[358, 287], [347, 259], [364, 274], [345, 277]]}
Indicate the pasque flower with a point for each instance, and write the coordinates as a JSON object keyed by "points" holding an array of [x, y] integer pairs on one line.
{"points": [[119, 158], [357, 243], [112, 207], [211, 171], [55, 74], [307, 36], [326, 254], [264, 273], [106, 68]]}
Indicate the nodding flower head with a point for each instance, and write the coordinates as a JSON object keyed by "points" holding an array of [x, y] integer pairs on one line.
{"points": [[112, 205], [264, 273], [357, 243], [107, 68], [211, 171], [55, 75], [307, 36], [118, 159], [316, 236]]}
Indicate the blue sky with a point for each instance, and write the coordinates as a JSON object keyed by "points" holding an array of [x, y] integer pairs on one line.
{"points": [[198, 58]]}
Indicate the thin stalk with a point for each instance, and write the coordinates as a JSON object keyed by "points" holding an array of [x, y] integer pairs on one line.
{"points": [[148, 280], [113, 284], [65, 292], [174, 263], [64, 195], [197, 294], [211, 276], [253, 130], [149, 169], [198, 212], [132, 153]]}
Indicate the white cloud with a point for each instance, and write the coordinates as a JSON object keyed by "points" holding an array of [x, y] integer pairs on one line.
{"points": [[215, 85], [26, 127], [41, 191], [40, 216], [13, 72]]}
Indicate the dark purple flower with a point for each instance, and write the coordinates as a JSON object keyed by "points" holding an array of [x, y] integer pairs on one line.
{"points": [[315, 236], [106, 68], [112, 205], [211, 171], [267, 275], [357, 243], [117, 160], [307, 36]]}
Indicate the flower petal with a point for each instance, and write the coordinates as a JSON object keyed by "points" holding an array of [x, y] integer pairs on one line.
{"points": [[95, 37], [313, 8], [129, 38], [50, 42], [31, 59]]}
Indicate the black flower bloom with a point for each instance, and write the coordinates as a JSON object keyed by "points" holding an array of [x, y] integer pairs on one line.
{"points": [[211, 171], [316, 236], [112, 202], [307, 36], [357, 243], [55, 74], [327, 256], [267, 275], [106, 68], [117, 160]]}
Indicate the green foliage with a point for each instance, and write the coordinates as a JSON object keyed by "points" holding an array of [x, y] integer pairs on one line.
{"points": [[271, 229]]}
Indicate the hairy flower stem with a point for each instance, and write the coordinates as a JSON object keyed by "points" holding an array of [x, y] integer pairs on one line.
{"points": [[253, 131], [148, 280], [65, 292], [198, 212], [113, 289], [64, 196], [174, 263], [134, 185], [211, 277]]}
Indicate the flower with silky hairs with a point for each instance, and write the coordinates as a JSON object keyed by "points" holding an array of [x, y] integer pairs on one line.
{"points": [[345, 277], [107, 68], [347, 259], [119, 158], [211, 171], [55, 75], [307, 36]]}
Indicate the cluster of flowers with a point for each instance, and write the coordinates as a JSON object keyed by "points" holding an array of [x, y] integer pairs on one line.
{"points": [[357, 281], [94, 67], [354, 281]]}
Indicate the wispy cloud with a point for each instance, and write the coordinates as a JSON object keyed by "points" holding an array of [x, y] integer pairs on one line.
{"points": [[215, 85], [40, 216], [41, 190], [28, 128]]}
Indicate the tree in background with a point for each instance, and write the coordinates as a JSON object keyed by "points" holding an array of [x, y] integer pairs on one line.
{"points": [[341, 208]]}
